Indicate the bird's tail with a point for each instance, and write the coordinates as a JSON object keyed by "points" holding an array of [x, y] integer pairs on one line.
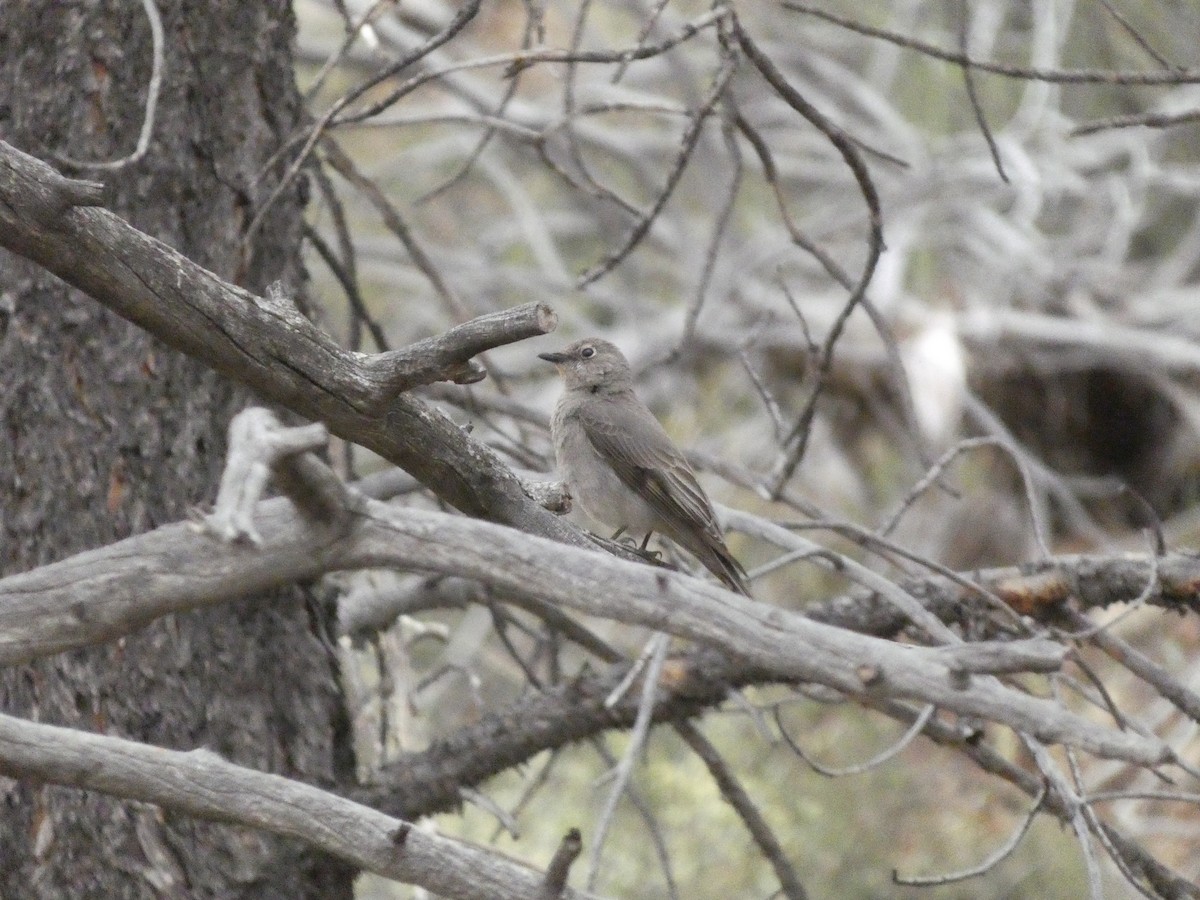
{"points": [[718, 560], [709, 547]]}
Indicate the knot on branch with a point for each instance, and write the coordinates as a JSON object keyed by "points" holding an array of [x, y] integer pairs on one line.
{"points": [[552, 495], [36, 192]]}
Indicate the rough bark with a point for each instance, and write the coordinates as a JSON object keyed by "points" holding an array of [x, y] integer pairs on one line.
{"points": [[107, 433]]}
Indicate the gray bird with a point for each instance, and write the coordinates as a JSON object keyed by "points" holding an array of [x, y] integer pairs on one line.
{"points": [[621, 466]]}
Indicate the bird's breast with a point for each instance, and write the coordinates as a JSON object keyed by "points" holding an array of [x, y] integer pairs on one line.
{"points": [[593, 483]]}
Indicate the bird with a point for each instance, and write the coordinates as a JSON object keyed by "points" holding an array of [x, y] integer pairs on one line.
{"points": [[622, 467]]}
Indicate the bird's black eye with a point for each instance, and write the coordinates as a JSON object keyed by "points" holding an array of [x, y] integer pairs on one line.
{"points": [[587, 352]]}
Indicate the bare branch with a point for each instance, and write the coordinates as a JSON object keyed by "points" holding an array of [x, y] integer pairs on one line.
{"points": [[395, 223], [200, 783], [1136, 858], [849, 152], [32, 619], [656, 653], [988, 864], [258, 443], [560, 866], [688, 142], [1185, 699], [153, 89], [973, 95], [1138, 120], [1141, 41], [243, 336], [1056, 76], [425, 782], [738, 798], [448, 356], [460, 21]]}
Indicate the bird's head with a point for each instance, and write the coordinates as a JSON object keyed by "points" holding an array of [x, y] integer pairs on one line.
{"points": [[591, 364]]}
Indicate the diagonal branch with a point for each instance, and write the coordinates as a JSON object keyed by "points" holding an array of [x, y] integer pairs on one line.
{"points": [[266, 345], [426, 781], [737, 797], [848, 149], [203, 784], [97, 594], [1054, 76]]}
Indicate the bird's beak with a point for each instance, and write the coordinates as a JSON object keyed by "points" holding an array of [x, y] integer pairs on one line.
{"points": [[556, 358]]}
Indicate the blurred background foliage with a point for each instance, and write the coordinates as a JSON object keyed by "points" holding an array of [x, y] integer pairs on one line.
{"points": [[1048, 300]]}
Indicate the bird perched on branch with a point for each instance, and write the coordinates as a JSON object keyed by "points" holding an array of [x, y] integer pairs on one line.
{"points": [[622, 467]]}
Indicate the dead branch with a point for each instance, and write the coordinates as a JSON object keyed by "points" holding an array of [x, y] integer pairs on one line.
{"points": [[243, 337], [80, 600], [200, 783]]}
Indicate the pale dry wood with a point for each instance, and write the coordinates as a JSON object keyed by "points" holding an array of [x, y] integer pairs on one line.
{"points": [[450, 356], [203, 784], [103, 593]]}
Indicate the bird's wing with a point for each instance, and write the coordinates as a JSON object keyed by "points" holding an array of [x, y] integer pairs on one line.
{"points": [[631, 440]]}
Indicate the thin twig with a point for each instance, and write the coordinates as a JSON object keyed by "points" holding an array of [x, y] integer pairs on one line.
{"points": [[1163, 879], [687, 144], [929, 478], [1074, 808], [1122, 20], [900, 381], [737, 797], [637, 743], [1168, 686], [395, 223], [1088, 815], [720, 227], [532, 27], [309, 139], [872, 541], [1055, 76], [1168, 796], [500, 622], [345, 278], [646, 812], [348, 276], [158, 67], [874, 762], [1152, 585], [487, 804], [593, 186], [988, 864], [1099, 696], [850, 154], [643, 34], [1135, 120], [525, 59], [532, 786], [964, 26], [769, 402], [353, 30], [617, 694]]}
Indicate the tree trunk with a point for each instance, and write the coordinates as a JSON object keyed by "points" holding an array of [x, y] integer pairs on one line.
{"points": [[107, 433]]}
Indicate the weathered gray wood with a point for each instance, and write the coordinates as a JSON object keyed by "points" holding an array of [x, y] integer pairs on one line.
{"points": [[102, 593], [266, 345], [201, 783], [107, 433]]}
